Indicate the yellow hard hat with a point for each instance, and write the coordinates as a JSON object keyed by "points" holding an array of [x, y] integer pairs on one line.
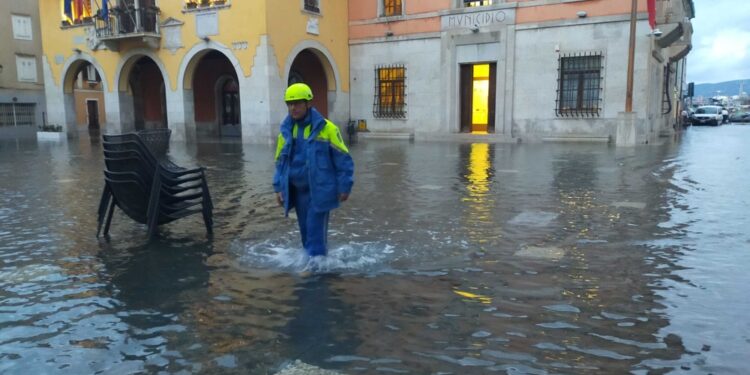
{"points": [[298, 91]]}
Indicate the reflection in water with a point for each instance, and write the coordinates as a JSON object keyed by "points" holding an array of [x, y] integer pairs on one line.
{"points": [[576, 183], [322, 323], [460, 258], [479, 199], [147, 276]]}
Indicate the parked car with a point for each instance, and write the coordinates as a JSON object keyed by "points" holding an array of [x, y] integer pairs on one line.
{"points": [[740, 117], [707, 114]]}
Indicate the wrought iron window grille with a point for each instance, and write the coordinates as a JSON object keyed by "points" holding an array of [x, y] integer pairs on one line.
{"points": [[390, 92], [312, 6], [17, 114], [477, 3], [579, 84], [391, 8]]}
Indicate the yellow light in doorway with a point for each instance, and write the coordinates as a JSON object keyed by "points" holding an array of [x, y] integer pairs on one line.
{"points": [[480, 99]]}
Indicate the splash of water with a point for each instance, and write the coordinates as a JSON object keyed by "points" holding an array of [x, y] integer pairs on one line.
{"points": [[364, 257]]}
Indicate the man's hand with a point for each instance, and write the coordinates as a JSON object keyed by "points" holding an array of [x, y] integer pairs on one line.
{"points": [[343, 197], [279, 199]]}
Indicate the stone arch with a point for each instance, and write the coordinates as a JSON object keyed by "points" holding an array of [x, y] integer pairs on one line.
{"points": [[333, 76], [192, 58], [128, 61], [71, 67], [185, 90], [134, 114], [334, 104], [68, 104]]}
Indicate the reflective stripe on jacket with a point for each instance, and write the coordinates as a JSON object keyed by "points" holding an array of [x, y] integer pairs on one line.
{"points": [[330, 167]]}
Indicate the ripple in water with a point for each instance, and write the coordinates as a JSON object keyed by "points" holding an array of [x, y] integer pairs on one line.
{"points": [[284, 256]]}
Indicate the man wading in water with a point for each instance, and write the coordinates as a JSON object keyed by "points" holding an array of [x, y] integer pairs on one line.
{"points": [[314, 171]]}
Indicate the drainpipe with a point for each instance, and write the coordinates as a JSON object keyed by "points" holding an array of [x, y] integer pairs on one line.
{"points": [[631, 59], [627, 132], [15, 122]]}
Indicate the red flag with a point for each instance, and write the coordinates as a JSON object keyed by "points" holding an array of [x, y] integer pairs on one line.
{"points": [[652, 13], [78, 12]]}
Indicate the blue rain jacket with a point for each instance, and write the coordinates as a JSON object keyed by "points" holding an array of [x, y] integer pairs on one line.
{"points": [[329, 165]]}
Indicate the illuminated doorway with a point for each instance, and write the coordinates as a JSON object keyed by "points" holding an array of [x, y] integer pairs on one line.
{"points": [[478, 98]]}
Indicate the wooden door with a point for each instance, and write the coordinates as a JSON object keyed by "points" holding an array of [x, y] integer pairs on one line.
{"points": [[92, 108]]}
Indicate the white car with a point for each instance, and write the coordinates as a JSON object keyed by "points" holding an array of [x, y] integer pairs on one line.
{"points": [[707, 114]]}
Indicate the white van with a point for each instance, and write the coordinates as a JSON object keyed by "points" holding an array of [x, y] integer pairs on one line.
{"points": [[707, 114]]}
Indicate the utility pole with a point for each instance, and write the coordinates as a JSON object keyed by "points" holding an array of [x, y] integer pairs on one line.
{"points": [[631, 59], [627, 124]]}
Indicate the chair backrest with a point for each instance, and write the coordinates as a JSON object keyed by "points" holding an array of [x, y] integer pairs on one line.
{"points": [[133, 162], [129, 195], [157, 140], [121, 162], [129, 141]]}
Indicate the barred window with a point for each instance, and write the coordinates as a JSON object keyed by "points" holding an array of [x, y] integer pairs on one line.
{"points": [[391, 8], [579, 85], [17, 114], [477, 3], [312, 6], [390, 92]]}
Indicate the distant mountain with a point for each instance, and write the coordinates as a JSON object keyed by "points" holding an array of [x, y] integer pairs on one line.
{"points": [[729, 88]]}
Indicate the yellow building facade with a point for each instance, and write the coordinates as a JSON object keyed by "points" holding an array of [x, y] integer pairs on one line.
{"points": [[199, 67]]}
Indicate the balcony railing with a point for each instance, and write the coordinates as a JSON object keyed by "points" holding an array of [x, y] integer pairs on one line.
{"points": [[126, 22]]}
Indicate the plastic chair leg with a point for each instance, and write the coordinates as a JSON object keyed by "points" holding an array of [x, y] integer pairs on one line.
{"points": [[152, 214], [110, 213], [207, 219], [103, 206]]}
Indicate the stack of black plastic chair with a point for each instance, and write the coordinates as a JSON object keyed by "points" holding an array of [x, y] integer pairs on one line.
{"points": [[140, 179]]}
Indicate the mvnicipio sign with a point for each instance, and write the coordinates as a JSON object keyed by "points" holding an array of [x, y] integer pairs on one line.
{"points": [[477, 19]]}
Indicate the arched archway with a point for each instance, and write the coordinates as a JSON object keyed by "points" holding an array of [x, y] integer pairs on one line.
{"points": [[309, 66], [86, 87], [142, 92], [212, 80], [82, 103]]}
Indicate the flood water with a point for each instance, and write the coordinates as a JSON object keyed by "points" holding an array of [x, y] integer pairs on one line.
{"points": [[448, 258]]}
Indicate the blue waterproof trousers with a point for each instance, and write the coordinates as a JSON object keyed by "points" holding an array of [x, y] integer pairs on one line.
{"points": [[313, 225]]}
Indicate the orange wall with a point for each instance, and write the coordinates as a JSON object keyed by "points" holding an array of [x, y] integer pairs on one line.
{"points": [[424, 6], [204, 91], [362, 10], [416, 26], [593, 8], [152, 82], [368, 10], [82, 110]]}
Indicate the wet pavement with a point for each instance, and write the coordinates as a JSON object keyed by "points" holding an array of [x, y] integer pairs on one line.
{"points": [[449, 258]]}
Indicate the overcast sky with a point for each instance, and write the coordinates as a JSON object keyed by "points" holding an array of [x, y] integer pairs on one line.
{"points": [[721, 41]]}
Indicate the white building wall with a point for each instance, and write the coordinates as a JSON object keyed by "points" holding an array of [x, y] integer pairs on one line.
{"points": [[536, 77], [421, 57]]}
